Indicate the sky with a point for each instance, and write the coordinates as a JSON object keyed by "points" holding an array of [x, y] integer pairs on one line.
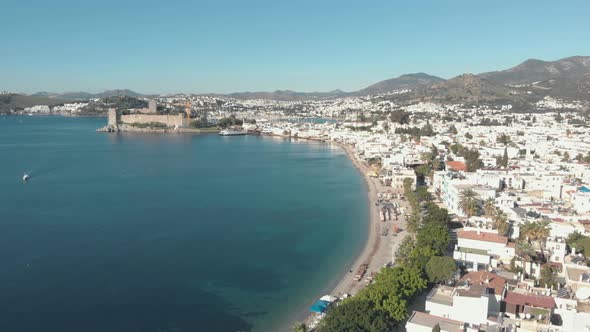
{"points": [[221, 46]]}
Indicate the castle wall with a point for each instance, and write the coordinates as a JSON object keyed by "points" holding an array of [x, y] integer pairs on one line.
{"points": [[169, 120]]}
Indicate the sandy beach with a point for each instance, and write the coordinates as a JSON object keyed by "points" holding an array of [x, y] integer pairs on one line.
{"points": [[378, 249]]}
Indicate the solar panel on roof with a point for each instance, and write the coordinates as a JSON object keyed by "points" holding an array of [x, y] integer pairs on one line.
{"points": [[563, 293]]}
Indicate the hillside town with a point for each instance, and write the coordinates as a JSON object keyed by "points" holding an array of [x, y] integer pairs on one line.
{"points": [[517, 189]]}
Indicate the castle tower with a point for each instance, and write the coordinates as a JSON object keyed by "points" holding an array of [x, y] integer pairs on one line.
{"points": [[113, 117], [152, 106]]}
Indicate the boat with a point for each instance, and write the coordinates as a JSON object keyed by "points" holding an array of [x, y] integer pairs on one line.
{"points": [[26, 177], [232, 132]]}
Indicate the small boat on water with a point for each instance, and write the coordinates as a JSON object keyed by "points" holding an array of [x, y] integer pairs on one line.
{"points": [[232, 132], [26, 177]]}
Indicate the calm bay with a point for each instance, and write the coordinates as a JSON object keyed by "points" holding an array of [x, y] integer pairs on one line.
{"points": [[168, 232]]}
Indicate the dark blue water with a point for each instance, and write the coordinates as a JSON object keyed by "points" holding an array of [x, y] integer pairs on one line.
{"points": [[125, 233]]}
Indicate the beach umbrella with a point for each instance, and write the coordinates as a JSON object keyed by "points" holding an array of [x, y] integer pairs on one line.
{"points": [[317, 308], [328, 298]]}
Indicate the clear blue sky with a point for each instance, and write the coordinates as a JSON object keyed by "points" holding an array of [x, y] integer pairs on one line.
{"points": [[254, 45]]}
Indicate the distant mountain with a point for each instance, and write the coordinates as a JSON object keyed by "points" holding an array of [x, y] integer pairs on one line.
{"points": [[568, 79], [563, 88], [534, 70], [408, 81], [76, 95], [467, 89], [118, 93], [86, 95], [288, 95], [14, 101]]}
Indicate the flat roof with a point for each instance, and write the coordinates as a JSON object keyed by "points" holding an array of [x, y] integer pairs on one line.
{"points": [[428, 320], [441, 294]]}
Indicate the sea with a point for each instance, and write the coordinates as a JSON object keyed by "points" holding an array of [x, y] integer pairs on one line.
{"points": [[169, 232]]}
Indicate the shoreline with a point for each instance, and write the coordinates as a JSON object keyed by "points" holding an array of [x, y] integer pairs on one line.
{"points": [[342, 283], [375, 252]]}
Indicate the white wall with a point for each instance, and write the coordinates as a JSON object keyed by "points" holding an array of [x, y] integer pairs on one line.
{"points": [[472, 310]]}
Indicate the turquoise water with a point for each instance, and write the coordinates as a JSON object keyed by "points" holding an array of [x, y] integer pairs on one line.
{"points": [[175, 233]]}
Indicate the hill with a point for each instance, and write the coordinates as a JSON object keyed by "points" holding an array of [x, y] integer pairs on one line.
{"points": [[534, 70], [464, 89], [563, 88], [118, 93], [288, 95], [81, 95], [17, 102], [408, 81]]}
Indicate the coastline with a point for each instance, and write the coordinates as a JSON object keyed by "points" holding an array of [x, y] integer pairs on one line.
{"points": [[375, 252]]}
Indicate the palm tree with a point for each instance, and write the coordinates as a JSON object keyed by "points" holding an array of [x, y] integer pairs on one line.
{"points": [[536, 232], [489, 207], [526, 252], [501, 223], [469, 202]]}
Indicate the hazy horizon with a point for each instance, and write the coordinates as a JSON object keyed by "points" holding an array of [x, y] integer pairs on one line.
{"points": [[229, 46]]}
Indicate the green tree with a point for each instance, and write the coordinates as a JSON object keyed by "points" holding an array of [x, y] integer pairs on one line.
{"points": [[469, 202], [566, 157], [436, 328], [420, 256], [422, 194], [453, 129], [548, 277], [423, 170], [503, 139], [440, 268], [354, 315], [535, 232], [501, 223], [408, 183], [489, 207], [436, 215], [525, 251], [392, 289], [405, 249], [472, 160], [435, 236], [580, 242], [456, 148], [468, 136], [505, 158], [300, 327], [400, 116]]}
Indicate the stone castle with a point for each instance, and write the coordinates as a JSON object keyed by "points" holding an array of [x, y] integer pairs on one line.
{"points": [[115, 119]]}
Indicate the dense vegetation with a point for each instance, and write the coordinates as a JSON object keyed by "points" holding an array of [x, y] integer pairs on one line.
{"points": [[229, 121], [201, 124], [417, 132], [471, 156], [120, 103], [384, 303], [155, 125], [581, 243]]}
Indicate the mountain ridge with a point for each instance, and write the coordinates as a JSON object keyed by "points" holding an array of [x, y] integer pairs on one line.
{"points": [[567, 78]]}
